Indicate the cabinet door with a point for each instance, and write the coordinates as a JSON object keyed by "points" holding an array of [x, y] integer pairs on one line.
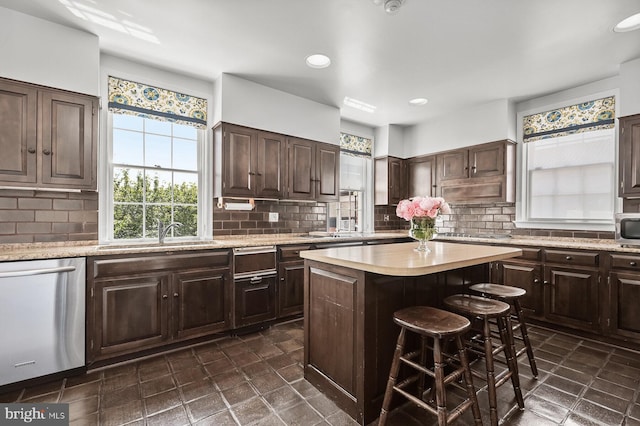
{"points": [[487, 160], [290, 288], [397, 185], [238, 169], [624, 297], [302, 161], [453, 165], [68, 140], [18, 106], [131, 314], [630, 155], [270, 167], [254, 300], [528, 277], [202, 303], [571, 297], [421, 177], [327, 172]]}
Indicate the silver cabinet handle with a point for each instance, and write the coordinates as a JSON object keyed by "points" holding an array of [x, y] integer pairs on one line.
{"points": [[255, 280], [568, 258], [633, 263], [29, 272]]}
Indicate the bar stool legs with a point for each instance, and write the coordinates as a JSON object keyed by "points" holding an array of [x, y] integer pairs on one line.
{"points": [[438, 326], [512, 295], [483, 344]]}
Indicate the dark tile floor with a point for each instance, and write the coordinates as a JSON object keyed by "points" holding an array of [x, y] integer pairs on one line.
{"points": [[258, 380]]}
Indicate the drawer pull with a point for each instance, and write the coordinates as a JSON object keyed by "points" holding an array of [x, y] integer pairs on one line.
{"points": [[164, 296], [175, 294], [632, 263], [296, 253], [568, 257], [536, 281]]}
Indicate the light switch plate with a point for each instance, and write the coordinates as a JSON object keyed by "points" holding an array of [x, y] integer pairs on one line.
{"points": [[273, 217]]}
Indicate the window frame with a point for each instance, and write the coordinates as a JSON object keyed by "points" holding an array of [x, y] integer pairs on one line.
{"points": [[105, 187], [522, 190]]}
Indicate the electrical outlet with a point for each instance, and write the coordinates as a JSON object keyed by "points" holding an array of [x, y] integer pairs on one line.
{"points": [[386, 218], [273, 217]]}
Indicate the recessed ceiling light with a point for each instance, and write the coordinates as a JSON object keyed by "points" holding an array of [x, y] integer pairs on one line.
{"points": [[629, 24], [318, 61], [354, 103], [418, 101]]}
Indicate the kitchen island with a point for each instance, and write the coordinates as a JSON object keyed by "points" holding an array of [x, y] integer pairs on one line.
{"points": [[350, 296]]}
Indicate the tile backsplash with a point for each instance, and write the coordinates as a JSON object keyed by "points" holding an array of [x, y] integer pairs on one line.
{"points": [[28, 216], [293, 217]]}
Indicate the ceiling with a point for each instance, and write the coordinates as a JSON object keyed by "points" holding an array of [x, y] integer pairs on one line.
{"points": [[456, 53]]}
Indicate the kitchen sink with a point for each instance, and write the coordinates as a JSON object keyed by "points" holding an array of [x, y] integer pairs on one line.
{"points": [[164, 246]]}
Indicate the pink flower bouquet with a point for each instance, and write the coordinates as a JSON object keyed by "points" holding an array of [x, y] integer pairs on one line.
{"points": [[422, 207]]}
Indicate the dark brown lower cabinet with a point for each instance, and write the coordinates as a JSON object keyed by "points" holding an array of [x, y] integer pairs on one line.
{"points": [[624, 290], [527, 276], [144, 302], [254, 300], [571, 297], [290, 288]]}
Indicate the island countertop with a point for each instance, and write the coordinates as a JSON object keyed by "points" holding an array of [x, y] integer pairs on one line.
{"points": [[401, 259]]}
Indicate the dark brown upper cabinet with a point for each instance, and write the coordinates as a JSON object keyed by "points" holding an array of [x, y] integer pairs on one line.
{"points": [[390, 181], [252, 162], [629, 156], [314, 170], [421, 176], [481, 173], [48, 137]]}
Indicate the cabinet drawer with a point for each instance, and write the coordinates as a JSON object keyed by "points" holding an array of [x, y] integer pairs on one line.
{"points": [[530, 253], [619, 261], [566, 257], [292, 252]]}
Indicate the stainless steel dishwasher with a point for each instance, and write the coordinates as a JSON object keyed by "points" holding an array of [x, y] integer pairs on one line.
{"points": [[42, 312]]}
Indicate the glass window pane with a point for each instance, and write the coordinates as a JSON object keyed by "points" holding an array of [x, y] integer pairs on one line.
{"points": [[127, 147], [185, 154], [185, 188], [157, 151], [127, 221], [152, 215], [188, 217], [157, 127], [186, 132], [128, 185], [158, 187], [126, 121]]}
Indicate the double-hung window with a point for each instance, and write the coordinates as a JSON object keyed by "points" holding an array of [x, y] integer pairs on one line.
{"points": [[156, 145], [569, 167], [353, 212]]}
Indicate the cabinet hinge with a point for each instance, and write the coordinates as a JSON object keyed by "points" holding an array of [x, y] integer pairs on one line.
{"points": [[91, 291], [91, 343], [608, 280], [608, 322]]}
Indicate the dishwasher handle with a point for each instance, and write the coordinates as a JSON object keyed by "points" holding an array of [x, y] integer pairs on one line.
{"points": [[30, 272]]}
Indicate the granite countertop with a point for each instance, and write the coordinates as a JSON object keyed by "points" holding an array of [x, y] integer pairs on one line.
{"points": [[32, 251], [10, 252], [403, 260]]}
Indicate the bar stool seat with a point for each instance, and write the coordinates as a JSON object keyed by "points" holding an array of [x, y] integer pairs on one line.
{"points": [[482, 344], [512, 295], [437, 327]]}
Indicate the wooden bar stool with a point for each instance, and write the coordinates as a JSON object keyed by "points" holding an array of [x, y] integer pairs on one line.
{"points": [[512, 295], [438, 327], [482, 344]]}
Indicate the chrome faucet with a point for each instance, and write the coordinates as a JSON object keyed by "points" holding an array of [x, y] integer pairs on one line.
{"points": [[163, 230]]}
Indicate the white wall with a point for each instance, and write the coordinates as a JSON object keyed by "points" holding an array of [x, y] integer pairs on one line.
{"points": [[630, 88], [48, 54], [254, 105], [484, 123], [357, 129], [389, 140]]}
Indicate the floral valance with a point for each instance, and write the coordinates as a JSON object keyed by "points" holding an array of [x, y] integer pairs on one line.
{"points": [[129, 97], [355, 145], [584, 117]]}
